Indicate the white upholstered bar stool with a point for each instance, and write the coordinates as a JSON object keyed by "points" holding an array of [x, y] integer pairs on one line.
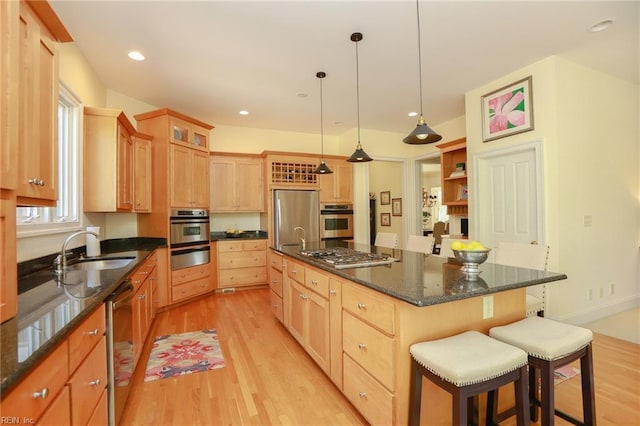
{"points": [[386, 239], [550, 345], [466, 365], [419, 243]]}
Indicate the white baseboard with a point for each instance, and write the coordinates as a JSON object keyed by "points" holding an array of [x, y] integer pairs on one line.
{"points": [[597, 312]]}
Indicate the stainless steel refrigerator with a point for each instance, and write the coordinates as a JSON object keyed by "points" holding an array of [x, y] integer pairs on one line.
{"points": [[295, 208]]}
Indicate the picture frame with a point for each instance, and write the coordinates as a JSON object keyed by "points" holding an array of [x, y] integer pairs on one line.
{"points": [[385, 219], [396, 206], [508, 110], [385, 198]]}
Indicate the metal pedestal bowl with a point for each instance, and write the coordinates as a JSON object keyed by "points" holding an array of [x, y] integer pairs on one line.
{"points": [[471, 260]]}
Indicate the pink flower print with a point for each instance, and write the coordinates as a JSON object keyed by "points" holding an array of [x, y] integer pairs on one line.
{"points": [[502, 108]]}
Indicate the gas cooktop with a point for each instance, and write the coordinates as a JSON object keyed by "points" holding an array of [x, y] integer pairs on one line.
{"points": [[341, 257]]}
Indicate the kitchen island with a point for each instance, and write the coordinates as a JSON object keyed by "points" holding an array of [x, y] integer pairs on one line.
{"points": [[358, 323]]}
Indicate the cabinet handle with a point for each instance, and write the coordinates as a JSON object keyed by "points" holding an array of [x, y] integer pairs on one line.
{"points": [[362, 394], [95, 382], [136, 281], [333, 292], [361, 306], [314, 282], [362, 346], [144, 272], [93, 332], [44, 393], [293, 271], [141, 296]]}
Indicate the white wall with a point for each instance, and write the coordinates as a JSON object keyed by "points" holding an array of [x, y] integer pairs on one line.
{"points": [[387, 176], [588, 123]]}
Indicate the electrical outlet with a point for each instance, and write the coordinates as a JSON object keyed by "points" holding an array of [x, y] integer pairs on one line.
{"points": [[612, 288], [587, 221], [487, 307]]}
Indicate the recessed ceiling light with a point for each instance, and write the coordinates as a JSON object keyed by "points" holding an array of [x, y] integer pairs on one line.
{"points": [[601, 26], [136, 56], [413, 114], [302, 94], [244, 112]]}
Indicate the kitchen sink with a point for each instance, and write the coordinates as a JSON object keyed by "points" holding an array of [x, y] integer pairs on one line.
{"points": [[100, 264]]}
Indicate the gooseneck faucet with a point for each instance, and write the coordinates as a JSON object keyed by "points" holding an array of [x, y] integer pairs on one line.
{"points": [[60, 262], [300, 228]]}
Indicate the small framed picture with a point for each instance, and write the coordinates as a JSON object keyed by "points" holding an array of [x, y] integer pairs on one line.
{"points": [[507, 111], [385, 219], [396, 206], [385, 198]]}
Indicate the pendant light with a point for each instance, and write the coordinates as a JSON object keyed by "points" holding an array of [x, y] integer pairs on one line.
{"points": [[358, 156], [422, 134], [322, 168]]}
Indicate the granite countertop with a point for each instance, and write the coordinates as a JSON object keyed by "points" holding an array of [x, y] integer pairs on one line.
{"points": [[47, 313], [245, 235], [426, 280]]}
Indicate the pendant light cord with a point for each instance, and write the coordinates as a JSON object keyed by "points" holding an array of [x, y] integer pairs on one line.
{"points": [[321, 125], [419, 55], [358, 92]]}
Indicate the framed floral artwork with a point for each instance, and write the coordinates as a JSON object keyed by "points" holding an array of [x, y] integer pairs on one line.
{"points": [[385, 219], [507, 111], [396, 206], [385, 198]]}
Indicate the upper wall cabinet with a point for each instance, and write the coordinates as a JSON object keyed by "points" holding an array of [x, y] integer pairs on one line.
{"points": [[290, 171], [108, 162], [142, 176], [237, 183], [337, 187], [38, 31], [9, 77]]}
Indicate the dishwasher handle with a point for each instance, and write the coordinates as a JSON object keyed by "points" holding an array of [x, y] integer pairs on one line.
{"points": [[122, 293]]}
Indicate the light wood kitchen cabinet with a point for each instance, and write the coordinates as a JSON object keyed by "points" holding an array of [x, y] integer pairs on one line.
{"points": [[38, 104], [337, 187], [185, 131], [8, 256], [189, 282], [242, 263], [236, 183], [142, 173], [142, 306], [9, 78], [454, 188], [109, 159], [287, 171], [276, 261], [69, 383], [189, 177]]}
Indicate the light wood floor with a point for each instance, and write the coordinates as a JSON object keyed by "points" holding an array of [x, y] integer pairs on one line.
{"points": [[268, 378]]}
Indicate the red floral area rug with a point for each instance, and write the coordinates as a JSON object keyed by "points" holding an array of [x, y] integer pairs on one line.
{"points": [[185, 353], [565, 373]]}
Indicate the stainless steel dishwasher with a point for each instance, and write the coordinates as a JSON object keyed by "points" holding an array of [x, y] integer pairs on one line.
{"points": [[120, 358]]}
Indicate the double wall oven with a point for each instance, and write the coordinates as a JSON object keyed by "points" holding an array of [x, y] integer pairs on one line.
{"points": [[189, 238], [336, 221]]}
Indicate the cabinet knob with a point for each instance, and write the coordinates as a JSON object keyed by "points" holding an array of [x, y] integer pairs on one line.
{"points": [[141, 296], [93, 332], [44, 393], [362, 394], [333, 292], [314, 282], [361, 306], [95, 382], [362, 346]]}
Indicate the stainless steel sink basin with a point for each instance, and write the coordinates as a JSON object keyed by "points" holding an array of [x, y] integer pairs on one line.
{"points": [[99, 264]]}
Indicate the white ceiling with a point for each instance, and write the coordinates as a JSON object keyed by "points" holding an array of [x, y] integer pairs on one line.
{"points": [[210, 59]]}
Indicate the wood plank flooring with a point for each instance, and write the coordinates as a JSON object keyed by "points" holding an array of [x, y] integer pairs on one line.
{"points": [[268, 379]]}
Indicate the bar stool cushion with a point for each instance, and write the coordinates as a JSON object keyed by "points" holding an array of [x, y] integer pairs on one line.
{"points": [[543, 338], [468, 358]]}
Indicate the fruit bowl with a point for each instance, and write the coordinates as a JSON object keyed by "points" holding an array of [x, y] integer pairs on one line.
{"points": [[471, 259]]}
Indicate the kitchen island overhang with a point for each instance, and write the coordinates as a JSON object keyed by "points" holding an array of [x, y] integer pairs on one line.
{"points": [[424, 280]]}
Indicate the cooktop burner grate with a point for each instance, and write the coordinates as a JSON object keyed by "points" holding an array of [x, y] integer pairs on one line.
{"points": [[341, 257]]}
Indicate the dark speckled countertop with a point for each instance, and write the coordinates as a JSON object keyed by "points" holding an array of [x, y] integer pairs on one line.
{"points": [[426, 280], [47, 313]]}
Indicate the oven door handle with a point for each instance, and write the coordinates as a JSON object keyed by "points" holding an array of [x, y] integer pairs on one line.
{"points": [[191, 250], [189, 221]]}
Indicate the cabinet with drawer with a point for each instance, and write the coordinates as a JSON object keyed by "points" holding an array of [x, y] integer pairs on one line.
{"points": [[276, 284], [242, 263], [189, 282]]}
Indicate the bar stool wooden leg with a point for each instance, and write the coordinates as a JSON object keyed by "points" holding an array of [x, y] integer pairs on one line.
{"points": [[415, 394], [588, 396]]}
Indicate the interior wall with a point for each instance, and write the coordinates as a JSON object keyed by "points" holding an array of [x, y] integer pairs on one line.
{"points": [[379, 181], [584, 175]]}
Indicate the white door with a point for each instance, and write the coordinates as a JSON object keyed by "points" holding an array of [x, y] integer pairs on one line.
{"points": [[509, 195]]}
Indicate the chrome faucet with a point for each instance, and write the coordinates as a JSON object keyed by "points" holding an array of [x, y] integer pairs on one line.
{"points": [[60, 262], [303, 235]]}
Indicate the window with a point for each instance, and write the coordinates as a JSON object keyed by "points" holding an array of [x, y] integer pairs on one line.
{"points": [[47, 220]]}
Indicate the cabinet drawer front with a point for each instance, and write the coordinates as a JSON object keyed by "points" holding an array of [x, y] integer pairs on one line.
{"points": [[59, 412], [276, 306], [88, 384], [370, 348], [190, 289], [276, 261], [276, 282], [244, 276], [242, 259], [295, 271], [144, 271], [85, 337], [317, 282], [100, 415], [253, 245], [367, 306], [227, 246], [372, 400], [184, 275], [51, 374]]}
